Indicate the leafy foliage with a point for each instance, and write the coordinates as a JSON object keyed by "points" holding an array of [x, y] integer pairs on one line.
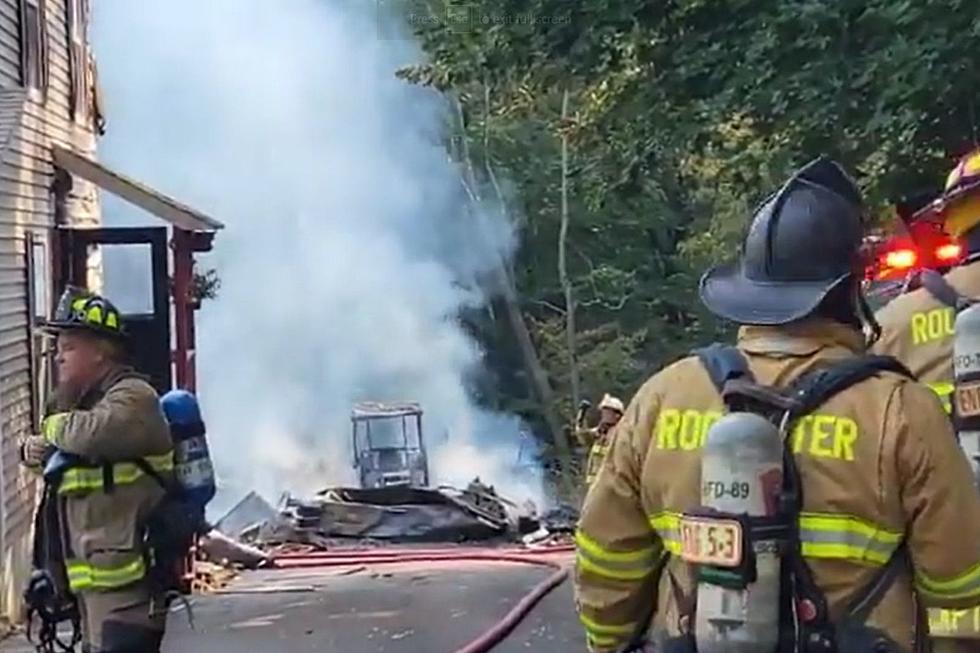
{"points": [[685, 114]]}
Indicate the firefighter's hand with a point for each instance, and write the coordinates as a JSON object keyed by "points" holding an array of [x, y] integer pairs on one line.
{"points": [[33, 451]]}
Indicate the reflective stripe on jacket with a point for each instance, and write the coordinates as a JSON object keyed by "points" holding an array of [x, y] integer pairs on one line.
{"points": [[84, 479], [879, 463]]}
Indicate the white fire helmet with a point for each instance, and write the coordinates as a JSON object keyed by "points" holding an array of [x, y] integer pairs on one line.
{"points": [[612, 403]]}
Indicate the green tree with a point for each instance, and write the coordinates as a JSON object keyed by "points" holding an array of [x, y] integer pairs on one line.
{"points": [[684, 115]]}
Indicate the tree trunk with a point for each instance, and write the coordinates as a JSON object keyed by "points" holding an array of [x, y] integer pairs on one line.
{"points": [[507, 290], [563, 277]]}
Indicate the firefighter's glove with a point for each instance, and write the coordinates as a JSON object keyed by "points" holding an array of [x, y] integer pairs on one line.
{"points": [[33, 451]]}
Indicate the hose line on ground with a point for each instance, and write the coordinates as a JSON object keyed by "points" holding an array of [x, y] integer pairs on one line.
{"points": [[496, 633]]}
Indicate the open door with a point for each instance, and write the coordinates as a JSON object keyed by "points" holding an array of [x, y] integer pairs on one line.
{"points": [[132, 263]]}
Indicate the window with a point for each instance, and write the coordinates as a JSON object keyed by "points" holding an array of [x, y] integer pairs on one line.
{"points": [[39, 304], [80, 101], [33, 46], [41, 298]]}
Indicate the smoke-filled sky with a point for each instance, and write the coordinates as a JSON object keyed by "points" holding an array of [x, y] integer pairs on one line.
{"points": [[347, 254]]}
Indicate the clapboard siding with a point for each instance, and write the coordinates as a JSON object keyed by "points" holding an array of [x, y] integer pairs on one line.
{"points": [[9, 43], [28, 128], [15, 381]]}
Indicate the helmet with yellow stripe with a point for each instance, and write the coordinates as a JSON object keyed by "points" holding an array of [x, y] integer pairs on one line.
{"points": [[79, 309], [960, 202]]}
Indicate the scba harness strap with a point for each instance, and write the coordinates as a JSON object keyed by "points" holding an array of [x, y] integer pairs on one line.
{"points": [[805, 621], [942, 290]]}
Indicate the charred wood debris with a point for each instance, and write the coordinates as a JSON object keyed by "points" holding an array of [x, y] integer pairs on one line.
{"points": [[253, 533]]}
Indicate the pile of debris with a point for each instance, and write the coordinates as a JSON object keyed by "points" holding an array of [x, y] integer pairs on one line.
{"points": [[400, 514], [219, 559], [397, 514]]}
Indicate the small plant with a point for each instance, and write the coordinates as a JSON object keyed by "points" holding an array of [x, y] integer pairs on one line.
{"points": [[204, 286]]}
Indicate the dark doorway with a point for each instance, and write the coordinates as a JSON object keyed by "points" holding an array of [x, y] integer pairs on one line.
{"points": [[139, 277]]}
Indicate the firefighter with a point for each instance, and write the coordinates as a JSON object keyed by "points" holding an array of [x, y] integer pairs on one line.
{"points": [[918, 329], [596, 439], [873, 485], [96, 497]]}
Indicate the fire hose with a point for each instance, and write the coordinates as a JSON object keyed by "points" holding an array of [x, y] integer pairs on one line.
{"points": [[496, 633]]}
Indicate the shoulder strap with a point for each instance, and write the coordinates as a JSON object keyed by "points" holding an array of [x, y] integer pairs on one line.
{"points": [[809, 392], [169, 486], [723, 363], [941, 290], [870, 596], [813, 389]]}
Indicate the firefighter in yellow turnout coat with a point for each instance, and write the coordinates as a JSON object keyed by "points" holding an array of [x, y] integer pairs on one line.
{"points": [[917, 328], [879, 466], [107, 418], [597, 439]]}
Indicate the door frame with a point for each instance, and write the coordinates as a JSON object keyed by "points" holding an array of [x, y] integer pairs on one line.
{"points": [[73, 246]]}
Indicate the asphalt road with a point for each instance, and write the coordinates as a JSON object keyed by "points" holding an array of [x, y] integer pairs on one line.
{"points": [[405, 609]]}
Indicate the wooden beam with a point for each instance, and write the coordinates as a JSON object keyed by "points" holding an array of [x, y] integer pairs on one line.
{"points": [[160, 205]]}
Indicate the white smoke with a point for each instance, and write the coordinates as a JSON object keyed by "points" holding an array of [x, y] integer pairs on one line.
{"points": [[348, 254]]}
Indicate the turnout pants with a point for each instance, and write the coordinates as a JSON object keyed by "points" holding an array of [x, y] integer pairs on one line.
{"points": [[123, 621]]}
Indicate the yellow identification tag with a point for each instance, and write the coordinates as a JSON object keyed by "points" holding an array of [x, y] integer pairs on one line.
{"points": [[708, 541]]}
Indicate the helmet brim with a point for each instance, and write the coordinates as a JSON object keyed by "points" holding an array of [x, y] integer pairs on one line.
{"points": [[54, 328], [958, 193], [729, 294]]}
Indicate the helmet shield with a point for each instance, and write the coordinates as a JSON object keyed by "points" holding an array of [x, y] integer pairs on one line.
{"points": [[79, 309], [959, 204]]}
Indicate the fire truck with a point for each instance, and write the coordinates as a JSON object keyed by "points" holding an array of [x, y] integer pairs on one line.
{"points": [[913, 240]]}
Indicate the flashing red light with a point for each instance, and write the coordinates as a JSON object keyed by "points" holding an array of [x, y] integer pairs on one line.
{"points": [[901, 258], [949, 252]]}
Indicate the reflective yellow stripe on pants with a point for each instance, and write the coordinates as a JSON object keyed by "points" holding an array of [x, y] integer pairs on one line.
{"points": [[83, 576], [822, 535], [605, 635], [79, 480]]}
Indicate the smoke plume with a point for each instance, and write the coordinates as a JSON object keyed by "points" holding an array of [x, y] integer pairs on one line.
{"points": [[348, 254]]}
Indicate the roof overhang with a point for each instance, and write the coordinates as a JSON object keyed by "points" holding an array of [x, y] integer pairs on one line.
{"points": [[380, 410], [152, 201]]}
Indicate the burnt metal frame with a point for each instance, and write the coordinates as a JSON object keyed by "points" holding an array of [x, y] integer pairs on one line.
{"points": [[418, 447]]}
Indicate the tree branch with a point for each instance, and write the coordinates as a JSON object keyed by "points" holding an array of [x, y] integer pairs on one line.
{"points": [[562, 263]]}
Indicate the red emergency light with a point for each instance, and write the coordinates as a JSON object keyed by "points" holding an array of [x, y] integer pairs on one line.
{"points": [[901, 259], [897, 258], [949, 252]]}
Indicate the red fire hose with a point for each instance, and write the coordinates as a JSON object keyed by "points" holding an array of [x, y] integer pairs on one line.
{"points": [[499, 631]]}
